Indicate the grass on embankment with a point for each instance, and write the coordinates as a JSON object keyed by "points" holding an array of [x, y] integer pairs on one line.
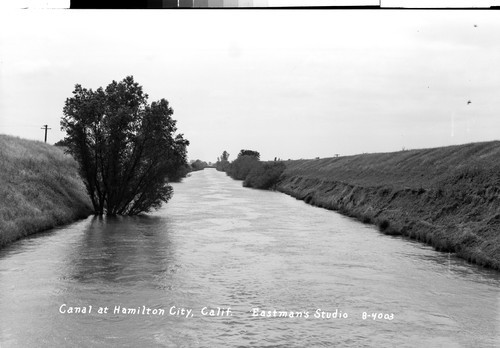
{"points": [[39, 188], [447, 197]]}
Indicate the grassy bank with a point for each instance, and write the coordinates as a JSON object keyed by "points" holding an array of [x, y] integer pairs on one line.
{"points": [[447, 197], [39, 188]]}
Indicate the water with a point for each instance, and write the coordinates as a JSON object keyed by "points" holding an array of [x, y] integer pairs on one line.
{"points": [[219, 245]]}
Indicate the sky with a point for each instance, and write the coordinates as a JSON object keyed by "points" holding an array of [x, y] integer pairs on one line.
{"points": [[289, 84]]}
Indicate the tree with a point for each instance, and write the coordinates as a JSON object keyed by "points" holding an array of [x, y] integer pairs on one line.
{"points": [[241, 166], [198, 165], [223, 162], [249, 153], [127, 149]]}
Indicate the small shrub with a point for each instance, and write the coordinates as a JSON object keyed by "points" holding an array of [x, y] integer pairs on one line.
{"points": [[308, 198], [383, 225]]}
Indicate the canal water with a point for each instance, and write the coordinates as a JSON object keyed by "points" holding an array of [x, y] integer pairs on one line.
{"points": [[225, 266]]}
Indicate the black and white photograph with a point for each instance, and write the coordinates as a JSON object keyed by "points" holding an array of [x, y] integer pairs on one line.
{"points": [[249, 177]]}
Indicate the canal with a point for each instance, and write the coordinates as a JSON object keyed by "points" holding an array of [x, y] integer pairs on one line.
{"points": [[222, 265]]}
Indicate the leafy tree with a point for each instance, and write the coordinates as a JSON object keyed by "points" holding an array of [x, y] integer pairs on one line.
{"points": [[223, 162], [198, 165], [249, 153], [225, 156], [241, 166], [127, 149]]}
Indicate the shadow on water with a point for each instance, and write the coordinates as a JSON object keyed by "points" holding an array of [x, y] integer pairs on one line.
{"points": [[26, 243], [123, 250]]}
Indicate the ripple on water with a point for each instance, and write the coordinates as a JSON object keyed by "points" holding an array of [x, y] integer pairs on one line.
{"points": [[217, 244]]}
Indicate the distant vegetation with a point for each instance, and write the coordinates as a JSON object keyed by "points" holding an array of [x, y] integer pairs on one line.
{"points": [[243, 164], [127, 148], [39, 188], [248, 167], [264, 175], [198, 165], [222, 163]]}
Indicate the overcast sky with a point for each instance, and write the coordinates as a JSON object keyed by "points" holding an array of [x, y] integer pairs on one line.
{"points": [[289, 84]]}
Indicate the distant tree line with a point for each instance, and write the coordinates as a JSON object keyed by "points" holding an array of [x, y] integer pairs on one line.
{"points": [[248, 167]]}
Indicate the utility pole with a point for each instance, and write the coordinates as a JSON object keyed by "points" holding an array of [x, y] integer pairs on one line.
{"points": [[46, 128]]}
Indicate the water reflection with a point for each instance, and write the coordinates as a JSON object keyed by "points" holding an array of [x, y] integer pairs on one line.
{"points": [[120, 251]]}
